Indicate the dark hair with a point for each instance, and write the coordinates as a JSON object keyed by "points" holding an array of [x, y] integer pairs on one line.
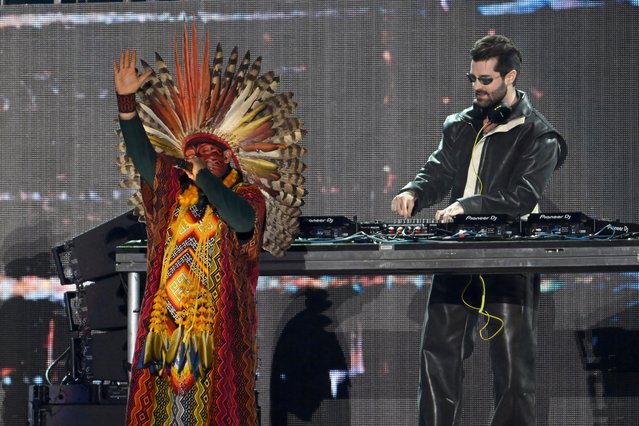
{"points": [[500, 47]]}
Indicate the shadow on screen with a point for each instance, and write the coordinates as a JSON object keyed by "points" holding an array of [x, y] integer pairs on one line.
{"points": [[25, 251], [309, 366], [614, 352], [610, 354], [35, 329]]}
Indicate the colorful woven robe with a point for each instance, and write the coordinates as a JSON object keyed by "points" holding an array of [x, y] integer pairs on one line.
{"points": [[224, 394]]}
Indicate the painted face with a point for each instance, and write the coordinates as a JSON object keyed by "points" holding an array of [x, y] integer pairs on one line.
{"points": [[216, 158], [491, 93]]}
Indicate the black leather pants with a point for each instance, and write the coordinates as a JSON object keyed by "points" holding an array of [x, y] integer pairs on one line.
{"points": [[448, 338]]}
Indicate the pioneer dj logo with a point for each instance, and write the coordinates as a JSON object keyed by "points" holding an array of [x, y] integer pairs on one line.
{"points": [[320, 220], [492, 218], [618, 228], [565, 216]]}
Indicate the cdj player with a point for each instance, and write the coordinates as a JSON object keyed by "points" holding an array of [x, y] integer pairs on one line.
{"points": [[562, 225]]}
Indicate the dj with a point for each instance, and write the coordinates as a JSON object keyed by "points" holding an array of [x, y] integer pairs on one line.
{"points": [[494, 157]]}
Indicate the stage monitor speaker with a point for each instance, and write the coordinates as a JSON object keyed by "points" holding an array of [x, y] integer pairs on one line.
{"points": [[91, 255], [64, 405], [105, 358], [106, 301]]}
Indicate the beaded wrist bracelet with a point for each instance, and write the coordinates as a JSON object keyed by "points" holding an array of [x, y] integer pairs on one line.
{"points": [[126, 103]]}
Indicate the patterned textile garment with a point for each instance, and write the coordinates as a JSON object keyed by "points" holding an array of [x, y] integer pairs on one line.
{"points": [[195, 358]]}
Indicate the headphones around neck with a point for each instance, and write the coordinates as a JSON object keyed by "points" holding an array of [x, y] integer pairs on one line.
{"points": [[496, 114]]}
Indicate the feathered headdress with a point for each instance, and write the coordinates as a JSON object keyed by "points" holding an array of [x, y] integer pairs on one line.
{"points": [[235, 106]]}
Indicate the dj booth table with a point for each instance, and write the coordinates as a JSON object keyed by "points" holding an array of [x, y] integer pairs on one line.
{"points": [[393, 258], [432, 256]]}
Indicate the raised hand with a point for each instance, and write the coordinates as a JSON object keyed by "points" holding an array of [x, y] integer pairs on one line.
{"points": [[126, 78]]}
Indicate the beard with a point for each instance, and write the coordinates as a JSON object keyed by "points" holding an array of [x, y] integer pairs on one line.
{"points": [[487, 99]]}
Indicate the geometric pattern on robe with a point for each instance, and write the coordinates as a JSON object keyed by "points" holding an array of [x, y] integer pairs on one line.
{"points": [[225, 395]]}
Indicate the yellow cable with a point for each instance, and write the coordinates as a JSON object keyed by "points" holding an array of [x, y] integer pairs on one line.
{"points": [[482, 309]]}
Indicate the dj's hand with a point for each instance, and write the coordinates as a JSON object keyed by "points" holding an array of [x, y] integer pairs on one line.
{"points": [[403, 204], [447, 214]]}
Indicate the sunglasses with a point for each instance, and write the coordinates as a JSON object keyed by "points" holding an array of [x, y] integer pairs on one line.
{"points": [[483, 79]]}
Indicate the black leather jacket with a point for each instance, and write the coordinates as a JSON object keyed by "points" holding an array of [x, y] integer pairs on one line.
{"points": [[516, 162]]}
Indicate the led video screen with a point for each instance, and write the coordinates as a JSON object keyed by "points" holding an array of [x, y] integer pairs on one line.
{"points": [[374, 81]]}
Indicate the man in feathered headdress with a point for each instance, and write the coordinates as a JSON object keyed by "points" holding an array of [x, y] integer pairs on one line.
{"points": [[212, 151], [494, 158]]}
